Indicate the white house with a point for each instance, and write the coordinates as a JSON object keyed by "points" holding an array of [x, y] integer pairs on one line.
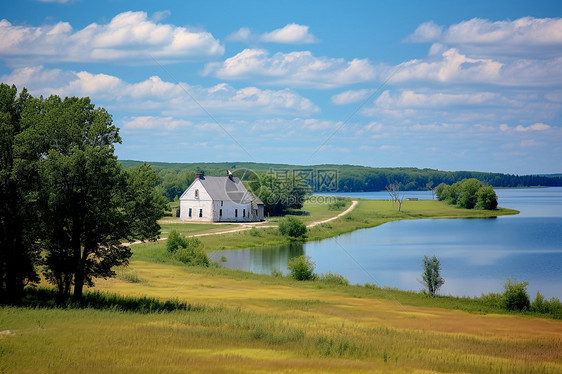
{"points": [[220, 199]]}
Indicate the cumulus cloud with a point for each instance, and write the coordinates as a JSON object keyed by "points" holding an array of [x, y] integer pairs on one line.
{"points": [[523, 35], [451, 66], [149, 122], [351, 96], [539, 126], [299, 69], [128, 37], [412, 99], [244, 34], [426, 32], [156, 94], [290, 34]]}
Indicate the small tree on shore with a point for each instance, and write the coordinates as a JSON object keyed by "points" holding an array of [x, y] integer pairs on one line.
{"points": [[302, 268], [292, 227], [431, 278], [515, 296], [395, 195]]}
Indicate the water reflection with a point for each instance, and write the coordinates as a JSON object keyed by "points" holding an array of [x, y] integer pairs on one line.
{"points": [[477, 255], [261, 260]]}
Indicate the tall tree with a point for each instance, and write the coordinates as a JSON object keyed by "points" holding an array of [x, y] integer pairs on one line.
{"points": [[88, 204], [18, 250], [431, 277]]}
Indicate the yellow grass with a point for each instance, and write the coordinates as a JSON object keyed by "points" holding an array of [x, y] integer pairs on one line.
{"points": [[266, 324], [255, 323]]}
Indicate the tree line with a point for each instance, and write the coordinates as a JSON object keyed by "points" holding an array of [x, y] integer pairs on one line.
{"points": [[66, 203], [176, 177]]}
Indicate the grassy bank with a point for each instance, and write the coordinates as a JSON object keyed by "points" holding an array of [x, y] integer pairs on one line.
{"points": [[227, 321], [367, 213], [247, 322]]}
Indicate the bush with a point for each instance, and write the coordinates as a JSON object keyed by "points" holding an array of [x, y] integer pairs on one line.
{"points": [[187, 250], [333, 278], [290, 226], [302, 268], [515, 296], [339, 203], [468, 194], [174, 241], [486, 198]]}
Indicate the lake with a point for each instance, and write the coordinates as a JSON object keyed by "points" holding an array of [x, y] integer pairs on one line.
{"points": [[476, 255]]}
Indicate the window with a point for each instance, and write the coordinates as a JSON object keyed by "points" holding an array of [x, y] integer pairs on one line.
{"points": [[244, 213], [189, 212], [222, 202], [235, 212], [197, 194], [220, 213], [200, 212]]}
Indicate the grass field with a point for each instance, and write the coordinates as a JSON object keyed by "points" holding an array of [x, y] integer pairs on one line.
{"points": [[247, 322], [243, 322]]}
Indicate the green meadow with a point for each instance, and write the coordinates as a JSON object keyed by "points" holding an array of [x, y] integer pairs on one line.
{"points": [[232, 321]]}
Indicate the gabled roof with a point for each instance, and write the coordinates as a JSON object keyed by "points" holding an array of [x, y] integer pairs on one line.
{"points": [[227, 189]]}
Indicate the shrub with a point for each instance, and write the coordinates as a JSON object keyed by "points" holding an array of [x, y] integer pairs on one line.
{"points": [[486, 198], [187, 250], [339, 203], [290, 226], [515, 296], [174, 241], [333, 278], [302, 268]]}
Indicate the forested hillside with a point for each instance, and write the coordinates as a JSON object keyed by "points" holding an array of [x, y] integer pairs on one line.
{"points": [[176, 177]]}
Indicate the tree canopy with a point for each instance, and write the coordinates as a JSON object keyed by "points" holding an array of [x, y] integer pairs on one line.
{"points": [[81, 202], [468, 194]]}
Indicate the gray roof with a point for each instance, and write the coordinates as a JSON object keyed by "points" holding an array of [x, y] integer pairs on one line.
{"points": [[225, 189]]}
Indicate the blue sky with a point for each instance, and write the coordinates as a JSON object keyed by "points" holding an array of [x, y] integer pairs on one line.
{"points": [[435, 84]]}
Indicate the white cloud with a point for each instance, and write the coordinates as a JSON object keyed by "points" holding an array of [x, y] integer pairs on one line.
{"points": [[520, 36], [129, 36], [300, 69], [149, 122], [290, 34], [244, 34], [412, 99], [351, 96], [156, 94], [452, 66], [426, 32], [539, 126]]}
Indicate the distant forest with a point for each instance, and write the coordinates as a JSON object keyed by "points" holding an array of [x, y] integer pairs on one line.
{"points": [[176, 177]]}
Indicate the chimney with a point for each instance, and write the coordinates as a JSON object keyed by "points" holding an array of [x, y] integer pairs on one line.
{"points": [[197, 176]]}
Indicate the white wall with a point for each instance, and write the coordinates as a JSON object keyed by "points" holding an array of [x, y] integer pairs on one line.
{"points": [[203, 201], [211, 210]]}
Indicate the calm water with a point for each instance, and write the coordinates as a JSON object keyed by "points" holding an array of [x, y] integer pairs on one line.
{"points": [[477, 255]]}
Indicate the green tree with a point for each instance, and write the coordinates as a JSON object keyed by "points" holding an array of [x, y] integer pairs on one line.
{"points": [[18, 230], [468, 188], [486, 198], [276, 195], [302, 268], [431, 278], [515, 296], [293, 227], [87, 203]]}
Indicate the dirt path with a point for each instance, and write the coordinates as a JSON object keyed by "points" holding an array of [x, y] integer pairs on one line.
{"points": [[316, 223], [246, 227]]}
